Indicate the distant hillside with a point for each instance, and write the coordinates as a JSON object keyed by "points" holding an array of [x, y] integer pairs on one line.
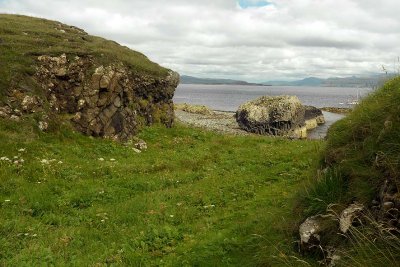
{"points": [[372, 81], [194, 80]]}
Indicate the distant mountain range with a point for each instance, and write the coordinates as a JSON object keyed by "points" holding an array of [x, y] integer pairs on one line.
{"points": [[194, 80], [353, 81]]}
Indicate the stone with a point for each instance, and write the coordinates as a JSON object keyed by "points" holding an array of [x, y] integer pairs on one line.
{"points": [[43, 126], [314, 113], [279, 115], [104, 100], [5, 112], [14, 118], [348, 216], [117, 102], [312, 230], [30, 104], [388, 205], [140, 144]]}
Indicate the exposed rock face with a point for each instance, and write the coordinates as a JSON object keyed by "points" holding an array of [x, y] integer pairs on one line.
{"points": [[313, 117], [314, 113], [107, 101], [282, 115], [386, 206]]}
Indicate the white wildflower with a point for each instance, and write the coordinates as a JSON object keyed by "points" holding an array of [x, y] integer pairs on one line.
{"points": [[7, 200], [101, 159], [112, 159], [172, 216], [21, 150], [60, 162], [44, 161]]}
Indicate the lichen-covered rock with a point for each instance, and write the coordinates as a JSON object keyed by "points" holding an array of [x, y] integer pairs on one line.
{"points": [[349, 215], [107, 101], [313, 229], [314, 113], [282, 115]]}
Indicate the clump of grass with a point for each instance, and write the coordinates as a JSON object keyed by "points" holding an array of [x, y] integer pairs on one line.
{"points": [[372, 244]]}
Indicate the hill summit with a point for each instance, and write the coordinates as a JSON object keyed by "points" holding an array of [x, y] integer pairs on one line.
{"points": [[58, 71]]}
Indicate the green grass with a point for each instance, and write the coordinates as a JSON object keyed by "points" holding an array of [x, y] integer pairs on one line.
{"points": [[23, 39], [194, 198], [361, 152]]}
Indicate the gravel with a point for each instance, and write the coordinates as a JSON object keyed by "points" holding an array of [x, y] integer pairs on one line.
{"points": [[220, 121]]}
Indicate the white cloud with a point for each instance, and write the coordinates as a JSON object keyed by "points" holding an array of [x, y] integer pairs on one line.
{"points": [[218, 38]]}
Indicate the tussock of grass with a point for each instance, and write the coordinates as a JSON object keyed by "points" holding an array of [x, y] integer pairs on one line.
{"points": [[194, 198]]}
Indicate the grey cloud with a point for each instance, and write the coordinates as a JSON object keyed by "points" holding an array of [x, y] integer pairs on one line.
{"points": [[216, 38]]}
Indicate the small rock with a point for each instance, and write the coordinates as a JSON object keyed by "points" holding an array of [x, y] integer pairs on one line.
{"points": [[43, 126], [388, 205], [14, 118], [61, 72], [117, 102], [348, 215], [29, 103], [141, 145], [312, 228], [375, 203]]}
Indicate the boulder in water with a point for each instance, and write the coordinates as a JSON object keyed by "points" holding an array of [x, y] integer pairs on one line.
{"points": [[281, 115]]}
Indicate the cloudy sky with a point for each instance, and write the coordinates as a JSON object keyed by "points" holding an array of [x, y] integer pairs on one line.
{"points": [[254, 40]]}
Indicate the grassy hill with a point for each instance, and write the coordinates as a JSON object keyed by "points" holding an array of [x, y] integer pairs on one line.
{"points": [[361, 163], [23, 39]]}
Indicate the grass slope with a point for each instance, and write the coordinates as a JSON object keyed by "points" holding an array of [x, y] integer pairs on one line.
{"points": [[194, 198], [362, 151], [23, 39]]}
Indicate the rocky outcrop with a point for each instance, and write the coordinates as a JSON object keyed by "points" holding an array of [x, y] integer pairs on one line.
{"points": [[107, 101], [386, 205], [282, 116], [313, 117]]}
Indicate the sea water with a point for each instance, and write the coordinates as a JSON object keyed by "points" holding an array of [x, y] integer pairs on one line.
{"points": [[230, 97]]}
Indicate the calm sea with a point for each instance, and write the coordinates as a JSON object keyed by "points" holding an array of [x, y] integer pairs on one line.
{"points": [[230, 97]]}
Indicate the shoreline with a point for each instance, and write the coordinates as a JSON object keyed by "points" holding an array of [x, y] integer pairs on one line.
{"points": [[224, 122]]}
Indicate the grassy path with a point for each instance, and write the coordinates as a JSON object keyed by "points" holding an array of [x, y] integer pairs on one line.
{"points": [[194, 198]]}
